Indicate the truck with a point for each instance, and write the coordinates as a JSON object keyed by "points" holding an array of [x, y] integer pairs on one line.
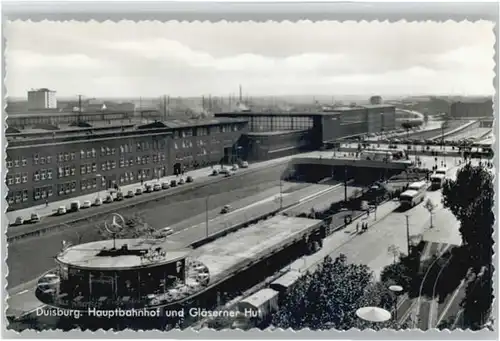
{"points": [[257, 309]]}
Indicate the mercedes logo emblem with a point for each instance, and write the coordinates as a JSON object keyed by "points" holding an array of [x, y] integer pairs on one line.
{"points": [[114, 223]]}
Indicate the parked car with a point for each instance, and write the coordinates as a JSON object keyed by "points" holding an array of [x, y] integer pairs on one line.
{"points": [[244, 164], [119, 196], [235, 167], [87, 204], [189, 178], [224, 171], [61, 210], [181, 181], [18, 221], [157, 187], [130, 194], [74, 206], [226, 209], [148, 188], [35, 218], [165, 185], [97, 202], [138, 191], [215, 172], [229, 174], [173, 183], [108, 200]]}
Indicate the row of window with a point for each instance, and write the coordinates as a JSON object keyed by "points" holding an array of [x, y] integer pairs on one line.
{"points": [[17, 163], [17, 197], [204, 131], [88, 184], [41, 159], [17, 178], [41, 193], [88, 168], [63, 172], [128, 177], [66, 187], [42, 174], [87, 153]]}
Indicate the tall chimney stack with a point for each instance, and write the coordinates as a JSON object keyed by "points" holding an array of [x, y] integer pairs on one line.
{"points": [[241, 94]]}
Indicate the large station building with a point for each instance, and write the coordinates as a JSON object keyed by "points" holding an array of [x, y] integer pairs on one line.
{"points": [[272, 135], [59, 156]]}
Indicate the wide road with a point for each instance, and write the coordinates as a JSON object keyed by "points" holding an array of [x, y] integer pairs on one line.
{"points": [[30, 257], [194, 228], [323, 201], [474, 133]]}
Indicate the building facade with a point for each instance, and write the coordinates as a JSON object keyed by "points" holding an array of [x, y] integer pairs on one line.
{"points": [[42, 99], [472, 109], [53, 166]]}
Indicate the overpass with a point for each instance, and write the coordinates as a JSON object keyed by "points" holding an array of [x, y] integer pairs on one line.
{"points": [[329, 158]]}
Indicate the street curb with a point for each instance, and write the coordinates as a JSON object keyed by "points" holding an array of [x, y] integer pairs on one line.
{"points": [[160, 196]]}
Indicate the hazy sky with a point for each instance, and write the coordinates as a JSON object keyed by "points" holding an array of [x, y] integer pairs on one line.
{"points": [[186, 59]]}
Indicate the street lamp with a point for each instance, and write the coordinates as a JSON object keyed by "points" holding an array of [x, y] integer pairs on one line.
{"points": [[373, 314], [206, 214], [396, 289], [99, 176]]}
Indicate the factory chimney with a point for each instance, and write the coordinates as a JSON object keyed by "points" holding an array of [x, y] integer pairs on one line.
{"points": [[241, 94]]}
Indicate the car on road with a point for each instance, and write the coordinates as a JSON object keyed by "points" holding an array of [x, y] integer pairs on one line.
{"points": [[74, 206], [119, 196], [167, 231], [235, 167], [97, 202], [61, 210], [224, 171], [189, 178], [18, 221], [244, 164], [149, 188], [215, 172], [173, 183], [108, 200], [225, 209], [130, 194], [138, 191], [87, 204], [165, 185], [157, 187], [181, 181], [35, 218]]}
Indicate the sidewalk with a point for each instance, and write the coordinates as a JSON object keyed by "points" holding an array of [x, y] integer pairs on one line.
{"points": [[202, 173]]}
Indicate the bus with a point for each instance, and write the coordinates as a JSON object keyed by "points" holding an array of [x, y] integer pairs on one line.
{"points": [[383, 154], [414, 195], [437, 179]]}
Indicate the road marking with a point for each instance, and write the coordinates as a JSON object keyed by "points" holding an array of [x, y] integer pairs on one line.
{"points": [[22, 292], [448, 306]]}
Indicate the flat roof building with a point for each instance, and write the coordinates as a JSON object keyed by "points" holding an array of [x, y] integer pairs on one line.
{"points": [[42, 99]]}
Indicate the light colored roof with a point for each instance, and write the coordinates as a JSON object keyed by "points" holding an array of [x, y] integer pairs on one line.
{"points": [[260, 297], [287, 279], [87, 256], [410, 193]]}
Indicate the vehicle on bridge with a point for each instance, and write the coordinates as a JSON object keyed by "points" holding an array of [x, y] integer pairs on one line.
{"points": [[414, 195]]}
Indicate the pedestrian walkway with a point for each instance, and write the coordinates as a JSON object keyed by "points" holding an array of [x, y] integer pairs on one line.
{"points": [[201, 173]]}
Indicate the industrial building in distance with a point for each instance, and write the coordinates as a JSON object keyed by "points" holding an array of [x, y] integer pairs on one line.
{"points": [[69, 154]]}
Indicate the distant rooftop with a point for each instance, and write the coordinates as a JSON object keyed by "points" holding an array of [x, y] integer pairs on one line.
{"points": [[41, 90], [190, 122]]}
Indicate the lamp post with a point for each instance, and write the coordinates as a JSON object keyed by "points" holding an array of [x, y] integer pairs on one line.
{"points": [[408, 233], [396, 289], [206, 214], [281, 194], [99, 176]]}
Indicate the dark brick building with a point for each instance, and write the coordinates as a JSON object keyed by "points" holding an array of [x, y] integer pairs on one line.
{"points": [[58, 164]]}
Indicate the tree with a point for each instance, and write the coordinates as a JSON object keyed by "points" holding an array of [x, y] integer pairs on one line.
{"points": [[470, 199], [327, 298], [430, 206], [478, 299]]}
